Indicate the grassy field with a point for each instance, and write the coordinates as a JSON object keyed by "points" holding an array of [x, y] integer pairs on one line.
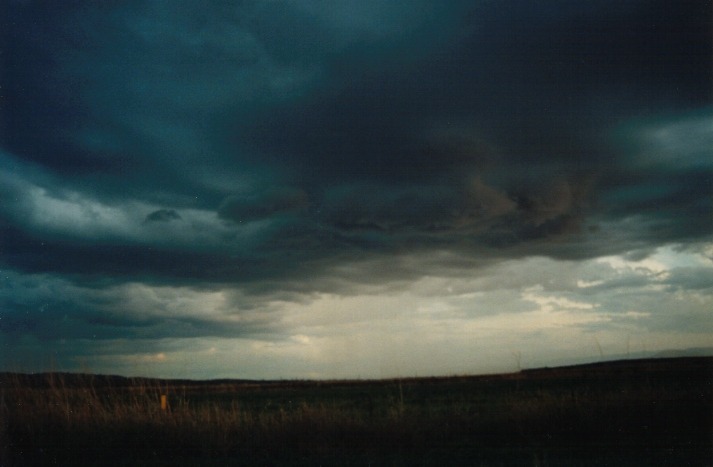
{"points": [[633, 412]]}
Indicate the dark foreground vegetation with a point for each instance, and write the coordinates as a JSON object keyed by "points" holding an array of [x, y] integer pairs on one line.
{"points": [[633, 412]]}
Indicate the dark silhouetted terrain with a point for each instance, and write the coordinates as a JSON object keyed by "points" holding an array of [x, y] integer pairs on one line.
{"points": [[627, 412]]}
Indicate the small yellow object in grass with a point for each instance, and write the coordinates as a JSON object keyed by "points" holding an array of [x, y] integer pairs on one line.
{"points": [[164, 402]]}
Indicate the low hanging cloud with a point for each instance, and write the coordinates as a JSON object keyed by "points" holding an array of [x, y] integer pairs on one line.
{"points": [[464, 151], [269, 156], [163, 215], [273, 202]]}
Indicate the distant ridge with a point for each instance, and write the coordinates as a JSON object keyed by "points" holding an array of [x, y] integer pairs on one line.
{"points": [[69, 379], [605, 368], [640, 355], [608, 368], [692, 352]]}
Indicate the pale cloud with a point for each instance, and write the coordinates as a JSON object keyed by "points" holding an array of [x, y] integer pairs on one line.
{"points": [[171, 302], [75, 214], [683, 142], [586, 284], [147, 358], [438, 324], [636, 314], [659, 264], [648, 266]]}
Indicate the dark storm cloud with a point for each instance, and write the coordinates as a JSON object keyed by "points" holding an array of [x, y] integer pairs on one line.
{"points": [[163, 215], [269, 143], [544, 86], [50, 309], [273, 202]]}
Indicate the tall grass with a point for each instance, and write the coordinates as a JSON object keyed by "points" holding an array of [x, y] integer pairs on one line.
{"points": [[514, 419]]}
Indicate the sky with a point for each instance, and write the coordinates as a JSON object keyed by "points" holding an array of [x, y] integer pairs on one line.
{"points": [[279, 189]]}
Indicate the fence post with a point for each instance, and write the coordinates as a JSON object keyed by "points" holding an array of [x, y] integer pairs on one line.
{"points": [[164, 402]]}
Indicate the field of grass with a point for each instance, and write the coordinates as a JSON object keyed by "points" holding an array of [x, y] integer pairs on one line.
{"points": [[633, 412]]}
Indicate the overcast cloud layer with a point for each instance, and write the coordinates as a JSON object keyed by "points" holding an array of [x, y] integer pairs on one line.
{"points": [[313, 188]]}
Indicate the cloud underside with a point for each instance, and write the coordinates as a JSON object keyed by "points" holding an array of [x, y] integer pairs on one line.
{"points": [[264, 156], [493, 319]]}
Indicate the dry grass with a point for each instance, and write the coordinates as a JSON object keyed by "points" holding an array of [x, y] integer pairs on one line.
{"points": [[557, 420]]}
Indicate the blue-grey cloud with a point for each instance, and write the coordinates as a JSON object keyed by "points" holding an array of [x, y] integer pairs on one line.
{"points": [[495, 127], [271, 203], [163, 215], [287, 148]]}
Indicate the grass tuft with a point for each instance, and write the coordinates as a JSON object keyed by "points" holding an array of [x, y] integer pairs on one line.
{"points": [[656, 412]]}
